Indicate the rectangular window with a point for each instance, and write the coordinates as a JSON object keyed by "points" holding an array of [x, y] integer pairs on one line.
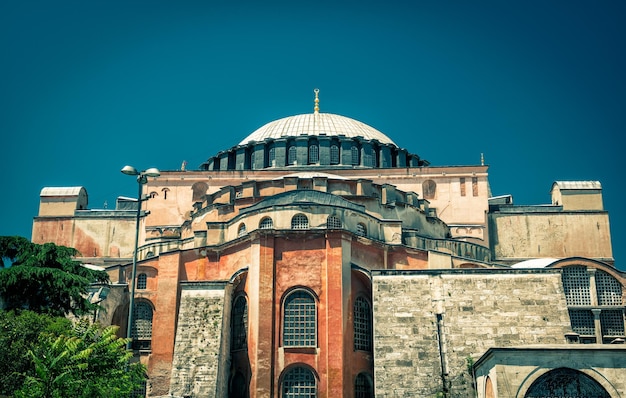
{"points": [[475, 186], [462, 186]]}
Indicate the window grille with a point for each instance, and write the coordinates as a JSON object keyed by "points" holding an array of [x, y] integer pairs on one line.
{"points": [[612, 322], [334, 154], [582, 322], [239, 323], [299, 221], [142, 321], [355, 155], [271, 156], [608, 288], [363, 387], [314, 154], [361, 230], [362, 325], [576, 285], [142, 281], [299, 382], [299, 328], [291, 155], [266, 223], [374, 157], [141, 391], [333, 222], [242, 230]]}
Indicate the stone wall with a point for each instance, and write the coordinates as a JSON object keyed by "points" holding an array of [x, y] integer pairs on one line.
{"points": [[200, 351], [426, 321]]}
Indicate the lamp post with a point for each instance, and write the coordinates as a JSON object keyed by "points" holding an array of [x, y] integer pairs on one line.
{"points": [[142, 178]]}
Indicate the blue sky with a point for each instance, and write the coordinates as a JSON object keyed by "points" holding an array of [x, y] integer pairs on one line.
{"points": [[88, 86]]}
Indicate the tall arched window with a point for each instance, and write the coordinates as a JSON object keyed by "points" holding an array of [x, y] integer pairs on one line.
{"points": [[241, 231], [299, 221], [291, 155], [334, 154], [299, 320], [333, 222], [141, 332], [271, 157], [363, 386], [266, 223], [142, 281], [299, 382], [314, 154], [362, 325], [355, 155], [239, 327]]}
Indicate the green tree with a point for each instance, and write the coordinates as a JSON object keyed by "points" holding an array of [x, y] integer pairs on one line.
{"points": [[90, 361], [44, 278], [19, 333]]}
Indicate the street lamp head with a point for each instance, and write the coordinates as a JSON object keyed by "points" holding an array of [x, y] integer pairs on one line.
{"points": [[152, 172], [130, 170]]}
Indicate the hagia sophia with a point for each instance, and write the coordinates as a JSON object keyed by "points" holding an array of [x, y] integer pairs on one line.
{"points": [[316, 258]]}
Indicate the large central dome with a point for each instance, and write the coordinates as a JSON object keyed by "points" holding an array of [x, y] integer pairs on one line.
{"points": [[316, 124]]}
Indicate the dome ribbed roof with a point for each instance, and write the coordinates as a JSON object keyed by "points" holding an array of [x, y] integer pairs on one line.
{"points": [[324, 124]]}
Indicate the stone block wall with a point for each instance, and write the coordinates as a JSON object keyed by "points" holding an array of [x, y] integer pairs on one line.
{"points": [[429, 326], [200, 352]]}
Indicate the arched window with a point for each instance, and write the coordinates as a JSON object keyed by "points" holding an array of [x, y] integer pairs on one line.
{"points": [[241, 231], [239, 327], [361, 230], [299, 382], [271, 157], [429, 188], [334, 154], [576, 285], [609, 289], [355, 155], [165, 191], [363, 386], [314, 154], [299, 221], [299, 320], [333, 222], [266, 223], [142, 281], [141, 332], [291, 155], [362, 325], [565, 382]]}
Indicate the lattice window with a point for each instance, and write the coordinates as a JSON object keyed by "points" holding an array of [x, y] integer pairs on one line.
{"points": [[299, 221], [582, 322], [314, 154], [334, 154], [612, 322], [291, 155], [142, 321], [271, 156], [142, 281], [608, 288], [374, 157], [266, 223], [565, 382], [361, 230], [299, 382], [354, 151], [239, 324], [333, 222], [241, 231], [363, 387], [299, 328], [362, 325], [576, 285]]}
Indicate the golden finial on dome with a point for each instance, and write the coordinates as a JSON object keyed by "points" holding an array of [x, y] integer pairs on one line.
{"points": [[317, 101]]}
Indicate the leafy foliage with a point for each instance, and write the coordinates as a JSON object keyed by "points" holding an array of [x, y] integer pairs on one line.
{"points": [[88, 361], [44, 278], [19, 333]]}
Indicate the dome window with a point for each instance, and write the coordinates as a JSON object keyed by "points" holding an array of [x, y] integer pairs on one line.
{"points": [[314, 154], [242, 230], [291, 155], [266, 223], [299, 221], [334, 154], [355, 155]]}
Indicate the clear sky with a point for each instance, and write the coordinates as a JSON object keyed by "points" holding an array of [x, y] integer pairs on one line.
{"points": [[86, 87]]}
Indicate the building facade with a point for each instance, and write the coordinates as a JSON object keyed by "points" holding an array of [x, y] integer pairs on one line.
{"points": [[316, 258]]}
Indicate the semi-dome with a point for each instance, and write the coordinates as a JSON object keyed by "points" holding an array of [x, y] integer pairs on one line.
{"points": [[316, 124]]}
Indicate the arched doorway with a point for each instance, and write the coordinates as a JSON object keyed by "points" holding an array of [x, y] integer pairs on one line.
{"points": [[565, 382]]}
